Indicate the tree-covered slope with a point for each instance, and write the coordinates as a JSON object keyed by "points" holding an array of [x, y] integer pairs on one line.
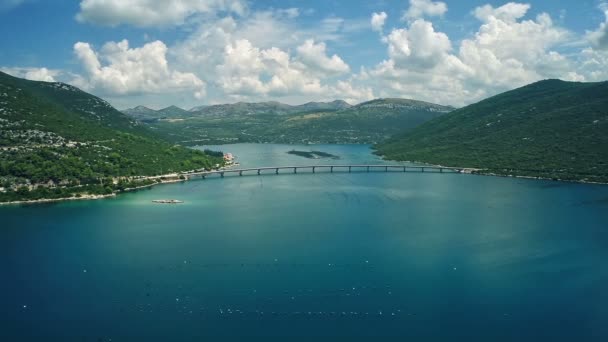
{"points": [[55, 136], [551, 128]]}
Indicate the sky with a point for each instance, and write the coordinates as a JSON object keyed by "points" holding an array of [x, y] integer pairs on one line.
{"points": [[199, 52]]}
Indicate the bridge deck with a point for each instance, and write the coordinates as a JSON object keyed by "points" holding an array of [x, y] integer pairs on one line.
{"points": [[338, 168]]}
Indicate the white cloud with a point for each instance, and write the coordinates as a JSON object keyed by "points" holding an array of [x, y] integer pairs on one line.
{"points": [[263, 55], [248, 71], [147, 13], [599, 37], [509, 12], [33, 74], [418, 46], [41, 74], [132, 70], [378, 20], [244, 65], [421, 8], [509, 52], [315, 57], [594, 65], [346, 91], [236, 53], [506, 52]]}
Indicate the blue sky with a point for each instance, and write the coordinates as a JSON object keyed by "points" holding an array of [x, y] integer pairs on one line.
{"points": [[193, 52]]}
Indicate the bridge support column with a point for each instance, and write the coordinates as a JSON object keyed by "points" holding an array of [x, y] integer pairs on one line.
{"points": [[386, 169], [313, 169], [368, 169], [258, 172], [349, 169], [295, 170], [331, 169], [422, 169], [203, 176], [222, 174], [404, 168], [240, 173], [276, 171], [441, 170]]}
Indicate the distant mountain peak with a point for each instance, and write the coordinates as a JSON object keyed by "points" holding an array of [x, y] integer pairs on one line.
{"points": [[140, 108], [397, 102], [172, 107]]}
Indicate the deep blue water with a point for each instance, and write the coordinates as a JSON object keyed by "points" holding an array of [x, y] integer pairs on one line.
{"points": [[376, 256]]}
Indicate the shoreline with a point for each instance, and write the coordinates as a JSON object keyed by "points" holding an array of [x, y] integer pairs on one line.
{"points": [[469, 171], [490, 174], [481, 172], [62, 199], [170, 178]]}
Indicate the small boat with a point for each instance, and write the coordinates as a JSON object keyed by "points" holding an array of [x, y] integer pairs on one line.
{"points": [[168, 201]]}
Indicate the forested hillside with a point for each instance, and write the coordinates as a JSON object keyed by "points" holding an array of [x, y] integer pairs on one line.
{"points": [[552, 129], [56, 140]]}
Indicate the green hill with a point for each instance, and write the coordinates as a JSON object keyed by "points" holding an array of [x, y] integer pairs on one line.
{"points": [[174, 111], [57, 140], [314, 122], [551, 129], [143, 113], [368, 122]]}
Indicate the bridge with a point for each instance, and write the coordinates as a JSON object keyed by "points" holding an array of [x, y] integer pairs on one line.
{"points": [[328, 169]]}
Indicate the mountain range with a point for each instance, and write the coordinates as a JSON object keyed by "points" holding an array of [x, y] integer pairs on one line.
{"points": [[240, 108], [313, 122]]}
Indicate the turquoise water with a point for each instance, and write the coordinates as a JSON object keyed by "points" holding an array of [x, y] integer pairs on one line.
{"points": [[356, 256]]}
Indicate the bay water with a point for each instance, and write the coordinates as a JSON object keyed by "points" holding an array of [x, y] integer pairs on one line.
{"points": [[355, 256]]}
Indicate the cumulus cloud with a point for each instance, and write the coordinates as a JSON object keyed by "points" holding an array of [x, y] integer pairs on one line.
{"points": [[264, 55], [599, 37], [425, 8], [237, 53], [132, 70], [33, 74], [504, 53], [250, 71], [147, 13], [378, 20], [418, 46], [315, 56]]}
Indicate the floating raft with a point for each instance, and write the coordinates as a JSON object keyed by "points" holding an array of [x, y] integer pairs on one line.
{"points": [[168, 201]]}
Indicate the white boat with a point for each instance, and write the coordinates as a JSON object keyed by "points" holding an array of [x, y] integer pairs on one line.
{"points": [[168, 201]]}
